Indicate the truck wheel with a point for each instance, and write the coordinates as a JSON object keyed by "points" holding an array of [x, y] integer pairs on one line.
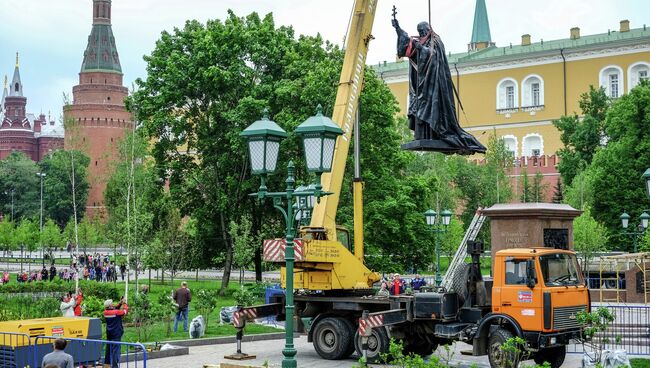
{"points": [[498, 358], [555, 356], [351, 330], [377, 344], [332, 338]]}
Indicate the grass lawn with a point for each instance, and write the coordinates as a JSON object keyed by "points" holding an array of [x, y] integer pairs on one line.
{"points": [[640, 363], [158, 332]]}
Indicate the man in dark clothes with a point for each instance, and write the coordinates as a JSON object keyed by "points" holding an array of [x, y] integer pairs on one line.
{"points": [[432, 110], [44, 274], [182, 298], [98, 273], [52, 272], [122, 270], [114, 330]]}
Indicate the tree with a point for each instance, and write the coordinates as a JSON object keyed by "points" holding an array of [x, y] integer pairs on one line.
{"points": [[558, 192], [6, 234], [616, 168], [589, 237], [62, 189], [51, 237], [526, 195], [538, 188], [580, 193], [207, 82], [582, 137], [243, 252], [18, 174]]}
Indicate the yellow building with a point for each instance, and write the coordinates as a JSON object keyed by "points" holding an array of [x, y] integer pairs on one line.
{"points": [[518, 90]]}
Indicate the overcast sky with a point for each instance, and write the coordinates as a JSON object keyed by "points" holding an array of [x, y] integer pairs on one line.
{"points": [[51, 35]]}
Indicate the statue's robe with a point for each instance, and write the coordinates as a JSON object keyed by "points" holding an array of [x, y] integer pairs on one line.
{"points": [[432, 111]]}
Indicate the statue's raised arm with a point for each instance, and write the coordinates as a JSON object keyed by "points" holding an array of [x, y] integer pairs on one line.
{"points": [[403, 38]]}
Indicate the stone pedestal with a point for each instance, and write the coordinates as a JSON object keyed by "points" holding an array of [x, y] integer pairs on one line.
{"points": [[523, 225]]}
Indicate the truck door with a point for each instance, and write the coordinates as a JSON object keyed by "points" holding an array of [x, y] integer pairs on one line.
{"points": [[517, 299]]}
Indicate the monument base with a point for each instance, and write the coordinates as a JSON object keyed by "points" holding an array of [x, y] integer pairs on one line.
{"points": [[436, 145]]}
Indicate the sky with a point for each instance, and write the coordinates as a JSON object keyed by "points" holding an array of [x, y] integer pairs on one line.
{"points": [[51, 35]]}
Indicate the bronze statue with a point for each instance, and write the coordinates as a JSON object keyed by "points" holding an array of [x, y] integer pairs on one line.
{"points": [[431, 111]]}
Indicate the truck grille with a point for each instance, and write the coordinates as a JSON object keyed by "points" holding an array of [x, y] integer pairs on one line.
{"points": [[565, 317]]}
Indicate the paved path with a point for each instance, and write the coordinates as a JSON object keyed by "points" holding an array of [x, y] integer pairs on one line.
{"points": [[271, 351]]}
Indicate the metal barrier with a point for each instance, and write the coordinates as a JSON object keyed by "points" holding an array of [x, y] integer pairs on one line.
{"points": [[629, 331], [93, 353], [15, 350]]}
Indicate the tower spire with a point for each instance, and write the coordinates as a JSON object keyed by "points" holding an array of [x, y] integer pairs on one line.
{"points": [[16, 87], [481, 30], [101, 53], [17, 61]]}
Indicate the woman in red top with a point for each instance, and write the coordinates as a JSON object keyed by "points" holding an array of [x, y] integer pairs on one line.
{"points": [[79, 298]]}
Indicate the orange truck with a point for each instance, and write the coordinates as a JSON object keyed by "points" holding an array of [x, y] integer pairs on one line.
{"points": [[535, 294]]}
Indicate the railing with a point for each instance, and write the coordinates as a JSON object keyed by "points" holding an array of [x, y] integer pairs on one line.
{"points": [[15, 350], [93, 353], [629, 331]]}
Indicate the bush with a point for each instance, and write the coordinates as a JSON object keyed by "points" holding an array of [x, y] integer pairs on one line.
{"points": [[101, 290], [93, 307], [244, 297]]}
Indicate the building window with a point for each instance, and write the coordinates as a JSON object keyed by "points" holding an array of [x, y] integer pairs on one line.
{"points": [[613, 85], [507, 95], [532, 145], [510, 97], [611, 79], [17, 87], [532, 92], [637, 73], [510, 142]]}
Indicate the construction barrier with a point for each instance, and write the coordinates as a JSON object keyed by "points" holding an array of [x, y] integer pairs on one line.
{"points": [[15, 350], [629, 331], [93, 353]]}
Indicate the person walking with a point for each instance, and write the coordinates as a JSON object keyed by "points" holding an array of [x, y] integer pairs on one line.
{"points": [[67, 305], [113, 315], [182, 298], [58, 358]]}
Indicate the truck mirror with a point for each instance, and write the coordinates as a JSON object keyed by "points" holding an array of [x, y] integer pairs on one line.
{"points": [[531, 278]]}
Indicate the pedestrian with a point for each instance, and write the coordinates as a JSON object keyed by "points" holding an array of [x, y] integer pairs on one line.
{"points": [[58, 358], [122, 270], [5, 277], [86, 273], [113, 315], [44, 274], [98, 273], [384, 290], [398, 286], [67, 305], [417, 282], [79, 298], [52, 272], [182, 297]]}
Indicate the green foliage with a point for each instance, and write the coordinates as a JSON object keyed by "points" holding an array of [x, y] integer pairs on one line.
{"points": [[18, 174], [616, 169], [51, 236], [58, 184], [93, 306], [206, 301], [589, 237], [90, 288], [558, 192], [580, 193], [594, 325], [17, 308], [582, 137], [244, 297], [513, 352]]}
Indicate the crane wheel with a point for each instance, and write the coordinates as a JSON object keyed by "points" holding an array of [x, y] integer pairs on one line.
{"points": [[378, 344], [498, 357], [554, 356], [332, 338]]}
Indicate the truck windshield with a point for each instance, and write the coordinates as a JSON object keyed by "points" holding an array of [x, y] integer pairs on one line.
{"points": [[560, 269]]}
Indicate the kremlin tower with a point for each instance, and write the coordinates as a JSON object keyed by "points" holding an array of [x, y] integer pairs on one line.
{"points": [[96, 118]]}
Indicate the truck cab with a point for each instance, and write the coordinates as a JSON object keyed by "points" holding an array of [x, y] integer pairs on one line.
{"points": [[536, 294]]}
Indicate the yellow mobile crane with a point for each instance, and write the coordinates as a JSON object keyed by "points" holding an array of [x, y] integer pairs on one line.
{"points": [[326, 262]]}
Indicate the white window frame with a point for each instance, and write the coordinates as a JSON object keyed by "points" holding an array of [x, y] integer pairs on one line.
{"points": [[526, 150], [527, 92], [511, 138], [501, 94], [633, 73], [605, 79]]}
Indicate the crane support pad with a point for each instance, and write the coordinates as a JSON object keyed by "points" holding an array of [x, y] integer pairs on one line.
{"points": [[258, 311]]}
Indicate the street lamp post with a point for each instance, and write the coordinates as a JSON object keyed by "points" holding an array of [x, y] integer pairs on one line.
{"points": [[318, 135], [640, 228], [438, 227], [41, 175]]}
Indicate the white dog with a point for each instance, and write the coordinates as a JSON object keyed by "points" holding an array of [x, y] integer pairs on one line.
{"points": [[197, 327]]}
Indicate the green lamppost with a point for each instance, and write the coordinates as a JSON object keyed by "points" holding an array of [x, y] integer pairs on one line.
{"points": [[438, 227], [643, 219], [318, 134]]}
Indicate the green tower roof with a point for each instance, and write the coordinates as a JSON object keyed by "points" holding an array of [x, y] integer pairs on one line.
{"points": [[101, 52], [481, 30]]}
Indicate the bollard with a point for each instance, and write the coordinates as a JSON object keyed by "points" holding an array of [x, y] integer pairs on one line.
{"points": [[365, 332], [239, 321]]}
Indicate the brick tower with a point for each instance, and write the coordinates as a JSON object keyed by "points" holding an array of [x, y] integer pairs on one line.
{"points": [[97, 115]]}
